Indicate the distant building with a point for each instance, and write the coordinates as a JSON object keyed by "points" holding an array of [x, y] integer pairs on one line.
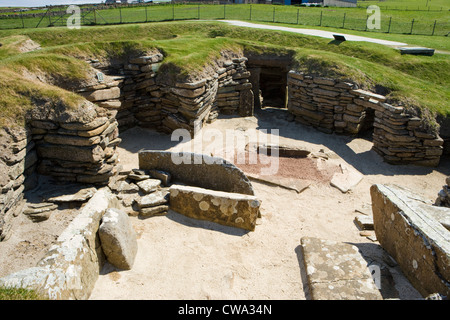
{"points": [[116, 1], [329, 3]]}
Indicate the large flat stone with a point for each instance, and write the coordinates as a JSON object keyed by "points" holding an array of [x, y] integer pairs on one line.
{"points": [[337, 271], [230, 209], [347, 179], [197, 170]]}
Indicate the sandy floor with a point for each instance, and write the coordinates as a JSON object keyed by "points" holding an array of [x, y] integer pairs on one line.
{"points": [[181, 258]]}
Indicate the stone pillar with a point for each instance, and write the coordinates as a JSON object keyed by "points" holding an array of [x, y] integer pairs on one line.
{"points": [[255, 73]]}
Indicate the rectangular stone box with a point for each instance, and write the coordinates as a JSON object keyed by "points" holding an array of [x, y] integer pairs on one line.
{"points": [[225, 208]]}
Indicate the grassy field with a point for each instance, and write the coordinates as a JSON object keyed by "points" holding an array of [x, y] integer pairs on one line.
{"points": [[407, 5], [419, 82], [392, 21]]}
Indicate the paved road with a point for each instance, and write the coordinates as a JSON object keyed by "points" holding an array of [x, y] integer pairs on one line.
{"points": [[313, 32]]}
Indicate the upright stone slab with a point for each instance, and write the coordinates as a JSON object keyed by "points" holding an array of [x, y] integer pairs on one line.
{"points": [[408, 230], [197, 170], [337, 271], [230, 209], [118, 239], [71, 267]]}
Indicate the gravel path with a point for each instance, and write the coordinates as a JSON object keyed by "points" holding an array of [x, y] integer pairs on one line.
{"points": [[313, 32]]}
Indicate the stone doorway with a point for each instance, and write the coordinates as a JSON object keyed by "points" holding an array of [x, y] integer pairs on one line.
{"points": [[269, 80]]}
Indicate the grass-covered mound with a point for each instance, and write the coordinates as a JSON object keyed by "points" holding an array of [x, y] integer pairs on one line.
{"points": [[418, 82]]}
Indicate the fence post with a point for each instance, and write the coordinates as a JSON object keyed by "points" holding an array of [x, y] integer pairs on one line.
{"points": [[146, 14], [298, 13], [224, 11], [412, 25], [21, 17], [120, 12], [389, 28], [343, 21], [320, 24], [250, 12], [173, 10], [198, 12], [434, 27], [273, 18], [49, 18], [95, 17], [367, 19]]}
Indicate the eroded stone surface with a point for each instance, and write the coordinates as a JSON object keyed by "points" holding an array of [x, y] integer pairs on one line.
{"points": [[71, 267], [231, 209], [198, 170], [337, 271], [413, 237], [118, 238]]}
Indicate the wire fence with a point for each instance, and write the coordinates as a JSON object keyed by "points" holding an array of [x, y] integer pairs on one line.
{"points": [[259, 13]]}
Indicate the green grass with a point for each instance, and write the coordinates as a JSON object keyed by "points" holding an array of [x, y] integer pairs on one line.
{"points": [[408, 4], [392, 21], [418, 82], [19, 294]]}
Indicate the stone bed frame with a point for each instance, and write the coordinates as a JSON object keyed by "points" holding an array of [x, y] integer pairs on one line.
{"points": [[84, 151]]}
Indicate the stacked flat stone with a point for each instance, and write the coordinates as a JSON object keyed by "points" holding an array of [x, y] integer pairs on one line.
{"points": [[75, 151], [141, 94], [133, 91], [142, 192], [18, 160], [142, 98], [336, 106], [187, 104], [443, 199], [234, 95]]}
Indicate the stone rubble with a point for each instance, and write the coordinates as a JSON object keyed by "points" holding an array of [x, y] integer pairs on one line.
{"points": [[443, 198], [144, 197]]}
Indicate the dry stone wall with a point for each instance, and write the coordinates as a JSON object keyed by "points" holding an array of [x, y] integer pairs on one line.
{"points": [[18, 161], [336, 106], [76, 151], [146, 98]]}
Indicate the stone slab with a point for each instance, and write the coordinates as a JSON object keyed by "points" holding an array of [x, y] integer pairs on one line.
{"points": [[118, 239], [413, 237], [197, 170], [364, 222], [347, 179], [71, 267], [337, 271], [225, 208]]}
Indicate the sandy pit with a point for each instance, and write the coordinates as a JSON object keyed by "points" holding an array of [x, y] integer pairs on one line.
{"points": [[182, 258]]}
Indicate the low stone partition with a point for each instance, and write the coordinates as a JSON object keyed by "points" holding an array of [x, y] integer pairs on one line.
{"points": [[336, 106], [18, 161], [197, 170], [71, 267], [411, 231], [225, 208]]}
